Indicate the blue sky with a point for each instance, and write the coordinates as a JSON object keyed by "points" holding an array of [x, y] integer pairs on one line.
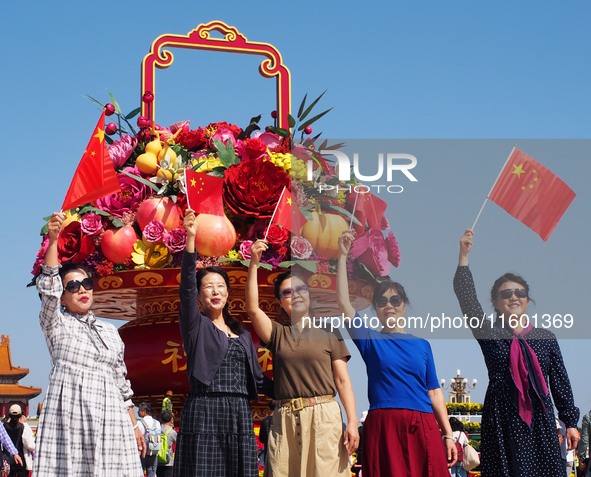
{"points": [[392, 70]]}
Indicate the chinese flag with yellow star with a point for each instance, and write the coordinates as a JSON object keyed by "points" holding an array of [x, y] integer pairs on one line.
{"points": [[288, 214], [531, 193], [95, 176], [204, 193]]}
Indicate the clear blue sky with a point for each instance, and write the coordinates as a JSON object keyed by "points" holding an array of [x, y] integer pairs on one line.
{"points": [[393, 70]]}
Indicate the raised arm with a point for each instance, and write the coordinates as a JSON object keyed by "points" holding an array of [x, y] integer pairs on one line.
{"points": [[261, 323], [54, 227], [343, 300], [465, 247]]}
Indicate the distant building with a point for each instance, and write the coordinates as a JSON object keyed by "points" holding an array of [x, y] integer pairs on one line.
{"points": [[11, 392]]}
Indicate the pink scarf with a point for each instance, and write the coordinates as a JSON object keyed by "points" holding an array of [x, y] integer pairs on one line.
{"points": [[526, 371]]}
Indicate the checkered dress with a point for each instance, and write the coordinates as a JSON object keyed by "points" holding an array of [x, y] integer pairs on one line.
{"points": [[216, 436], [84, 429]]}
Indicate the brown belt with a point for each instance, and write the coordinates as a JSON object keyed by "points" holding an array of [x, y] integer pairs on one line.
{"points": [[297, 404]]}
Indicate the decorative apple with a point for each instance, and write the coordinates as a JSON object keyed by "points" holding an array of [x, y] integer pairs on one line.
{"points": [[111, 129], [109, 109], [158, 208], [117, 244], [215, 235]]}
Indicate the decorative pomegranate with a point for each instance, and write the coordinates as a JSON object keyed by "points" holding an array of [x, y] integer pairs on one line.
{"points": [[159, 208], [323, 232], [215, 235], [117, 244]]}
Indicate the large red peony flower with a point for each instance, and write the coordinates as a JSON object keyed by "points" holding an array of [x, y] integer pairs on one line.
{"points": [[252, 188], [73, 245]]}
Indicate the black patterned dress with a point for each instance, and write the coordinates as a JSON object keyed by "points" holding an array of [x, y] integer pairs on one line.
{"points": [[509, 448], [216, 437]]}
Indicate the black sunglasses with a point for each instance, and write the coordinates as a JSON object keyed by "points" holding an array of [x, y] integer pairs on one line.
{"points": [[508, 293], [288, 292], [74, 285], [394, 300]]}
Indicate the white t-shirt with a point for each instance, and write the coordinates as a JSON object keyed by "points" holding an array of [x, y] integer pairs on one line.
{"points": [[460, 437]]}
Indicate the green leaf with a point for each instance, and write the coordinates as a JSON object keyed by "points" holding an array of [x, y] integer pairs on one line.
{"points": [[314, 119], [302, 105], [228, 259], [117, 222], [286, 264], [115, 103], [218, 171], [301, 117], [151, 185], [133, 113], [197, 166], [310, 265], [96, 101], [225, 153], [266, 266], [291, 121], [345, 212], [280, 131], [90, 208]]}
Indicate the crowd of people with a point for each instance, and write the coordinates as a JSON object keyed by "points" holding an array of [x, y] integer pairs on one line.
{"points": [[406, 430]]}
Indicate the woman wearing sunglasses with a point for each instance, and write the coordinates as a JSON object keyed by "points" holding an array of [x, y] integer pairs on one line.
{"points": [[87, 427], [524, 363], [309, 367], [406, 431]]}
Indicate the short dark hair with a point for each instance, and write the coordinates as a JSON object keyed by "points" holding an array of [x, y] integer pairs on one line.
{"points": [[145, 406], [508, 277], [278, 281], [166, 416], [70, 267], [384, 286]]}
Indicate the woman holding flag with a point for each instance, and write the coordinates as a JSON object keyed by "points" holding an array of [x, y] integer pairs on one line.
{"points": [[407, 431], [524, 363], [216, 437], [310, 366]]}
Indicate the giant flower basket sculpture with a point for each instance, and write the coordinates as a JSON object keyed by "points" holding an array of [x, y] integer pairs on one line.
{"points": [[133, 239]]}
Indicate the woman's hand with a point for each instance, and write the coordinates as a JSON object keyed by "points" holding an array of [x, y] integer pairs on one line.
{"points": [[351, 438], [256, 251], [54, 225], [17, 459], [141, 442], [572, 438], [345, 242], [465, 247], [190, 224], [451, 451]]}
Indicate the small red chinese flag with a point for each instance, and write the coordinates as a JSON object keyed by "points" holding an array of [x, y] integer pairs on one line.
{"points": [[288, 214], [531, 193], [370, 209], [95, 176], [204, 193]]}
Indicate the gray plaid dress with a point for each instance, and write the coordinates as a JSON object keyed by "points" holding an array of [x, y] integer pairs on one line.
{"points": [[216, 436], [84, 429]]}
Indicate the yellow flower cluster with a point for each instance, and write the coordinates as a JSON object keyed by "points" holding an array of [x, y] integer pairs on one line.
{"points": [[299, 170], [281, 160], [212, 161], [234, 255]]}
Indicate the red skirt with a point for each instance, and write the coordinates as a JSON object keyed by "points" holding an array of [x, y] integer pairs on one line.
{"points": [[402, 443]]}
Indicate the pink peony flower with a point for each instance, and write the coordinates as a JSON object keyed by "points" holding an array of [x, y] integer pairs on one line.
{"points": [[128, 200], [393, 249], [91, 223], [176, 239], [122, 149], [245, 249], [271, 139], [370, 250], [300, 248], [154, 231], [252, 148], [223, 134]]}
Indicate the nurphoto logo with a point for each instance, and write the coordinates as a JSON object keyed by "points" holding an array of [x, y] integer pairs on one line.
{"points": [[387, 164]]}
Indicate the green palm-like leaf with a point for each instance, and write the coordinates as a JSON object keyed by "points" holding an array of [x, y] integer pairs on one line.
{"points": [[312, 120], [302, 116], [302, 105], [151, 185], [133, 114]]}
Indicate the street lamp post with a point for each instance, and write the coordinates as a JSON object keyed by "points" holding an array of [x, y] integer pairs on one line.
{"points": [[460, 389]]}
